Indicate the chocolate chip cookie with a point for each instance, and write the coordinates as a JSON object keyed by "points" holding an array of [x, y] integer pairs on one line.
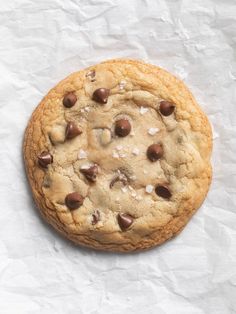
{"points": [[118, 156]]}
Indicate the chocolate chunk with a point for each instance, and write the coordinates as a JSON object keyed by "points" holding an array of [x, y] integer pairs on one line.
{"points": [[119, 178], [154, 152], [96, 217], [101, 95], [124, 221], [91, 74], [163, 191], [69, 100], [72, 130], [122, 127], [90, 173], [74, 200], [44, 159], [166, 108]]}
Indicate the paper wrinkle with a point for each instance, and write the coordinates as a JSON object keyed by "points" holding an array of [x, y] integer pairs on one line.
{"points": [[41, 42]]}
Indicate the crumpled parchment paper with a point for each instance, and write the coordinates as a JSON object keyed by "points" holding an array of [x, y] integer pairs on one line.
{"points": [[41, 42]]}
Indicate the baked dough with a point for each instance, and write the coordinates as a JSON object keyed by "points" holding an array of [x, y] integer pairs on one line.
{"points": [[118, 156]]}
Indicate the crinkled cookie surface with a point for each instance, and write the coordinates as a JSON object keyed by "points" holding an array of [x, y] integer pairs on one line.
{"points": [[118, 156]]}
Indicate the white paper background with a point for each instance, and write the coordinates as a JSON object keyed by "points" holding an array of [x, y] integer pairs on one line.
{"points": [[41, 42]]}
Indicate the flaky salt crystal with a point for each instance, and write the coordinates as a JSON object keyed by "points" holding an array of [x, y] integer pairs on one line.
{"points": [[86, 166], [135, 151], [115, 155], [124, 189], [143, 110], [149, 188], [119, 147], [153, 131], [122, 155], [122, 84], [82, 154]]}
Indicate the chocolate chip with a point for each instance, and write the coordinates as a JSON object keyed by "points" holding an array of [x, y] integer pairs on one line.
{"points": [[90, 173], [122, 127], [154, 152], [44, 159], [163, 191], [74, 200], [166, 108], [124, 221], [72, 130], [95, 217], [101, 95], [69, 100]]}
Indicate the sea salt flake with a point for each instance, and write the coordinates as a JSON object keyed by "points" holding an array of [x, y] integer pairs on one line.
{"points": [[153, 131], [124, 189], [133, 194], [138, 198], [87, 109], [82, 154], [122, 84], [149, 188], [119, 147], [86, 166], [143, 110], [115, 155], [136, 151]]}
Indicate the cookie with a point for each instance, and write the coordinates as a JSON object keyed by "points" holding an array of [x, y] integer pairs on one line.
{"points": [[118, 156]]}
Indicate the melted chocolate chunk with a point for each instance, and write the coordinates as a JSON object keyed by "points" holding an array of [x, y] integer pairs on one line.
{"points": [[91, 74], [95, 217], [90, 173], [121, 177]]}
